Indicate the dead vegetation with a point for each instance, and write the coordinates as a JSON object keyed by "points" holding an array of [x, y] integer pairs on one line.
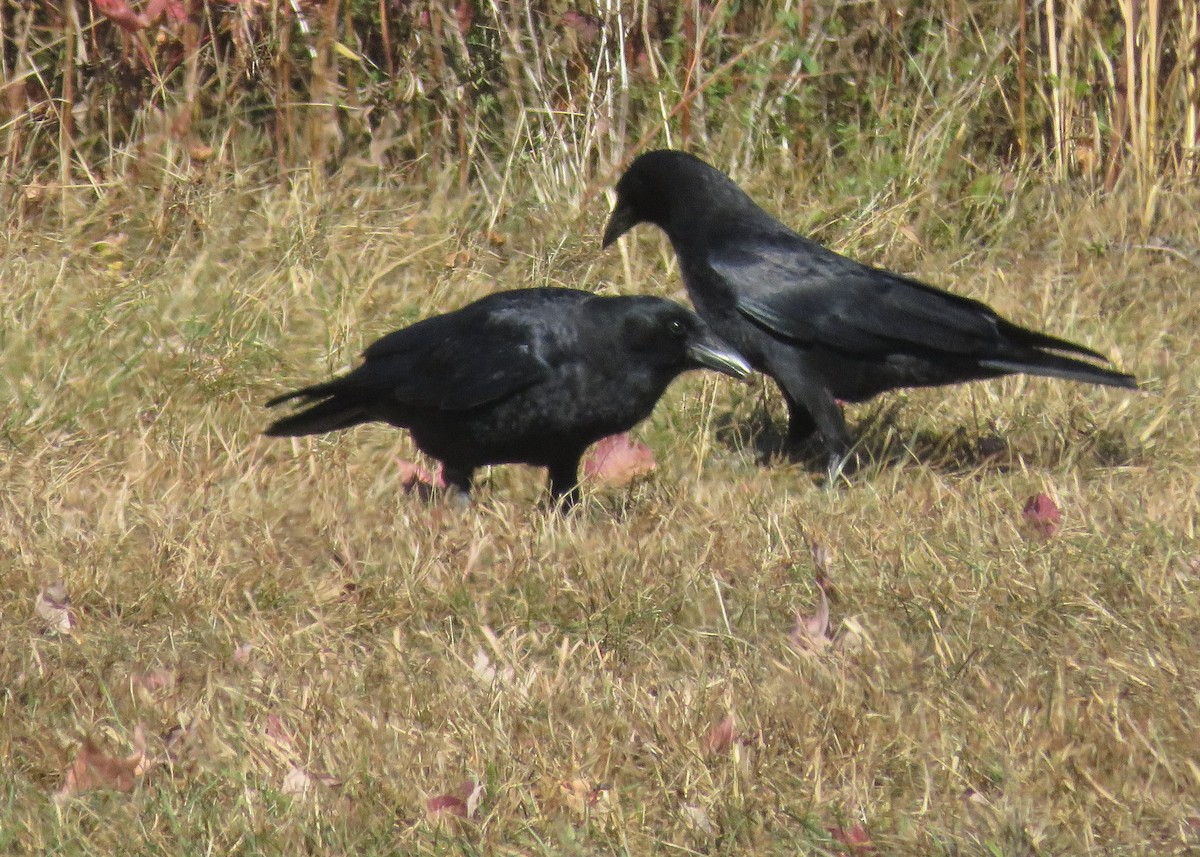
{"points": [[222, 643]]}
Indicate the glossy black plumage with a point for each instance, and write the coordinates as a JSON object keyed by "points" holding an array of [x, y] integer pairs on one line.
{"points": [[531, 376], [823, 326]]}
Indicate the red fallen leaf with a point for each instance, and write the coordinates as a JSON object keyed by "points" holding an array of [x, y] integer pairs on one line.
{"points": [[464, 16], [95, 769], [277, 732], [446, 805], [811, 633], [721, 737], [465, 804], [414, 477], [586, 26], [618, 460], [856, 840], [1042, 514], [119, 13], [173, 10]]}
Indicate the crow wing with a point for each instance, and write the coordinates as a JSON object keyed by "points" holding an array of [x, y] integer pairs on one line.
{"points": [[802, 291], [456, 362]]}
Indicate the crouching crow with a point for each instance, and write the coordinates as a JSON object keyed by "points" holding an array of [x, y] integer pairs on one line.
{"points": [[532, 376]]}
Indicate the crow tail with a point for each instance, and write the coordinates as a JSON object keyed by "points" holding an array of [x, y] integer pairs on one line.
{"points": [[332, 411], [1059, 366]]}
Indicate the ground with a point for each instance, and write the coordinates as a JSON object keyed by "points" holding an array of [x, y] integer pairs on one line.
{"points": [[276, 650]]}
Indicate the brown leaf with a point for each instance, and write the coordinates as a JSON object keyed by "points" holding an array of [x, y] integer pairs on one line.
{"points": [[856, 840], [198, 151], [1042, 514], [811, 633], [698, 819], [95, 769], [53, 606], [618, 460], [299, 782], [721, 736], [583, 798]]}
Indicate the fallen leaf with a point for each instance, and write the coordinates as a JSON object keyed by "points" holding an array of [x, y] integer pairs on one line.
{"points": [[489, 674], [811, 633], [1042, 514], [446, 804], [583, 798], [618, 460], [53, 605], [145, 685], [198, 151], [171, 9], [698, 819], [465, 804], [856, 840], [464, 16], [95, 769], [474, 792], [586, 26], [720, 737], [415, 478], [277, 732], [299, 782], [119, 13]]}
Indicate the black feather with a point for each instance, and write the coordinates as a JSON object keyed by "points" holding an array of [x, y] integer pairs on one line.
{"points": [[824, 326]]}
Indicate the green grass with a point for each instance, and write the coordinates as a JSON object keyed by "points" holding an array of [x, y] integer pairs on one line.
{"points": [[989, 693]]}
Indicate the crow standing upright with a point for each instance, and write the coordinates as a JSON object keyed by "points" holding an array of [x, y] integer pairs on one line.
{"points": [[823, 326], [531, 376]]}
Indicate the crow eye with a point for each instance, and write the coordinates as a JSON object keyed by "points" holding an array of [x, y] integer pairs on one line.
{"points": [[676, 327]]}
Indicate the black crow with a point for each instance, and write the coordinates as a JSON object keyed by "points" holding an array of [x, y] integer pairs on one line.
{"points": [[532, 376], [823, 326]]}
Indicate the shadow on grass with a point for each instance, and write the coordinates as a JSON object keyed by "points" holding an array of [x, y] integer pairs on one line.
{"points": [[883, 441]]}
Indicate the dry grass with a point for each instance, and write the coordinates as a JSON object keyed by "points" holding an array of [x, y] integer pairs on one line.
{"points": [[987, 692]]}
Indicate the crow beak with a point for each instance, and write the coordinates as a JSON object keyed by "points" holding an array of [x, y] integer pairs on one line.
{"points": [[715, 354], [622, 219]]}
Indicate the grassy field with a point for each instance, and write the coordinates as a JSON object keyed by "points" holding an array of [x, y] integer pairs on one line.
{"points": [[315, 662]]}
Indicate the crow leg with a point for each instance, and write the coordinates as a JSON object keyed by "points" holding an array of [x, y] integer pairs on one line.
{"points": [[564, 483], [458, 482], [812, 408], [801, 425]]}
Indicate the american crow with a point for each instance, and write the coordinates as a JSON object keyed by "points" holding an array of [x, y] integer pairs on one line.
{"points": [[823, 326], [532, 376]]}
